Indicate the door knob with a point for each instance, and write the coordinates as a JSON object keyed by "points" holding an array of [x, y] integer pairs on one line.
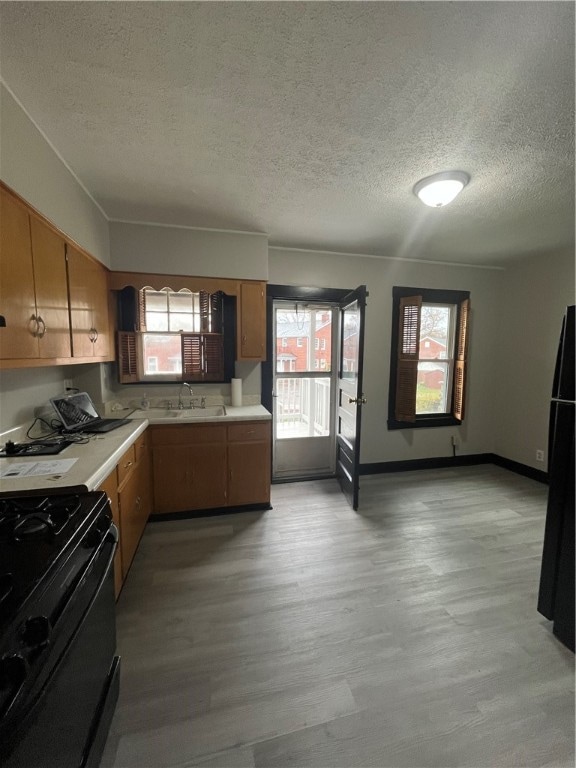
{"points": [[357, 400]]}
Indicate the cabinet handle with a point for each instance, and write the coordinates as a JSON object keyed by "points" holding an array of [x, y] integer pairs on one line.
{"points": [[128, 465], [42, 333], [96, 334], [34, 319]]}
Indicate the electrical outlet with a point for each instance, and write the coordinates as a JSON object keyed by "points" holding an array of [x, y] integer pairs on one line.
{"points": [[539, 455], [68, 384]]}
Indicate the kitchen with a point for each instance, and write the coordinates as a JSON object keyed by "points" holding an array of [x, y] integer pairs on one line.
{"points": [[503, 290]]}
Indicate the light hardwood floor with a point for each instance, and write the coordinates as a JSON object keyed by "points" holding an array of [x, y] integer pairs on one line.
{"points": [[310, 635]]}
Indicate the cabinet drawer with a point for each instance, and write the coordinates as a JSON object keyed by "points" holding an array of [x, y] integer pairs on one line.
{"points": [[186, 434], [126, 464], [250, 430]]}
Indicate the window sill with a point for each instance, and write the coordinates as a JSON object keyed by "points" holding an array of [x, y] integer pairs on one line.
{"points": [[442, 420]]}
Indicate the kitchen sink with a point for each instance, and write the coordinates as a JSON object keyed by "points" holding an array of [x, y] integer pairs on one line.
{"points": [[186, 414]]}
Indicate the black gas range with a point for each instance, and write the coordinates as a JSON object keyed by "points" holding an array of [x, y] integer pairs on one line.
{"points": [[58, 669]]}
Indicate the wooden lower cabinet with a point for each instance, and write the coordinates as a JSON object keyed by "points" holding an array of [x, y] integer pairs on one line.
{"points": [[207, 466], [185, 475], [129, 491], [132, 516], [249, 463]]}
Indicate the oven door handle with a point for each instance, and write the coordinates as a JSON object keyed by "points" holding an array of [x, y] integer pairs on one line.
{"points": [[111, 536]]}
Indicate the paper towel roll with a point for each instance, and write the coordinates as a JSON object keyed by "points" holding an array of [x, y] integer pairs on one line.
{"points": [[236, 393]]}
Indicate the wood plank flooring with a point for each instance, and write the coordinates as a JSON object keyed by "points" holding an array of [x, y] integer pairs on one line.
{"points": [[310, 635]]}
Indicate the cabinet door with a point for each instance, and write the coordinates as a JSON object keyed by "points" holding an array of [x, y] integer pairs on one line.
{"points": [[189, 477], [132, 519], [17, 304], [80, 286], [252, 322], [88, 306], [249, 473], [49, 259], [110, 488], [207, 473], [103, 344], [144, 464], [171, 478]]}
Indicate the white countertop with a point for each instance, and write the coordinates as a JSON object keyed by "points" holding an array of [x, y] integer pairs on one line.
{"points": [[98, 457]]}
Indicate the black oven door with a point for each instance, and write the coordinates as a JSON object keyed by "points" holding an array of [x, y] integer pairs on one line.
{"points": [[64, 723]]}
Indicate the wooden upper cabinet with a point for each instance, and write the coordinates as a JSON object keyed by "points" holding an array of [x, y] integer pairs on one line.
{"points": [[39, 272], [17, 302], [251, 339], [104, 343], [89, 318], [49, 259]]}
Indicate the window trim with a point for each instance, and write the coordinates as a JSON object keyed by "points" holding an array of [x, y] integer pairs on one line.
{"points": [[430, 296]]}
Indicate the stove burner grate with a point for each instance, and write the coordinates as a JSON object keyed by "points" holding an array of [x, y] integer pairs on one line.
{"points": [[44, 517]]}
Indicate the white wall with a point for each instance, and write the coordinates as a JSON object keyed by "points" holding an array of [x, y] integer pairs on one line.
{"points": [[476, 435], [184, 251], [24, 390], [535, 293], [30, 166]]}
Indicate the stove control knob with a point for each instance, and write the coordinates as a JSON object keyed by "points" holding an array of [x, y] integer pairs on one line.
{"points": [[35, 634]]}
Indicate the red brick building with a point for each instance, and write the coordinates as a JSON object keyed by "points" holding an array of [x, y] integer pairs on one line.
{"points": [[292, 343]]}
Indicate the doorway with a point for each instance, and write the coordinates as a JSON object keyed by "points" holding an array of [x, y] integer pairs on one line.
{"points": [[312, 383], [304, 375]]}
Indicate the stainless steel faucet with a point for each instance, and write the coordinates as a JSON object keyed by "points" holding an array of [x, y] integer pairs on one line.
{"points": [[181, 405]]}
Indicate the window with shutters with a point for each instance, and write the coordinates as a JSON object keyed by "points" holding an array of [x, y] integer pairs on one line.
{"points": [[428, 357], [179, 335]]}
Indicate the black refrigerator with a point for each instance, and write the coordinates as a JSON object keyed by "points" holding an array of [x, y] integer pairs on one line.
{"points": [[556, 595]]}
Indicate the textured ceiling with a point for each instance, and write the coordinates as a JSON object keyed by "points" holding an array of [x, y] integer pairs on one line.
{"points": [[312, 121]]}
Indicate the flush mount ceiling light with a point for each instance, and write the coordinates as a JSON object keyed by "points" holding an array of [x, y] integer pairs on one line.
{"points": [[441, 188]]}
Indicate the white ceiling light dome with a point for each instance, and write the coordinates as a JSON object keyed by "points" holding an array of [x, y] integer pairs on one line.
{"points": [[441, 188]]}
